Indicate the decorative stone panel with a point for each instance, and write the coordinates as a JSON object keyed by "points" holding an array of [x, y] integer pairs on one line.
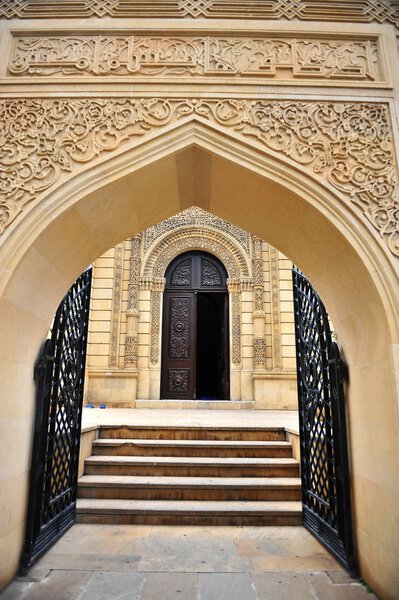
{"points": [[195, 216], [355, 11], [116, 306], [347, 145], [185, 56]]}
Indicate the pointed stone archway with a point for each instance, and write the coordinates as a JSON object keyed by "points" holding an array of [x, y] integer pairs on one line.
{"points": [[307, 219]]}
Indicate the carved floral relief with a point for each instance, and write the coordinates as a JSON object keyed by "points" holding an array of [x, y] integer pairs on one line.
{"points": [[346, 144]]}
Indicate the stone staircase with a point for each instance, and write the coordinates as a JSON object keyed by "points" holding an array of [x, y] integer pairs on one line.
{"points": [[190, 476]]}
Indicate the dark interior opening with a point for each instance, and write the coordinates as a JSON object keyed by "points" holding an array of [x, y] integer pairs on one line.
{"points": [[211, 350]]}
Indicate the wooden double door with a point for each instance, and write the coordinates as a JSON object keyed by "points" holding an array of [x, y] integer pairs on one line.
{"points": [[195, 336]]}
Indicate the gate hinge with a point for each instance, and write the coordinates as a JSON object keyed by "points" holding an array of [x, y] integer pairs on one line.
{"points": [[38, 371], [342, 370]]}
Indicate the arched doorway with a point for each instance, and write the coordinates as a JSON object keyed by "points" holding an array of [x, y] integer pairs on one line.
{"points": [[195, 338]]}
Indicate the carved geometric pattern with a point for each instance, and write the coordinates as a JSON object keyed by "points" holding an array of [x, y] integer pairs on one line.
{"points": [[181, 275], [178, 380], [258, 293], [275, 308], [236, 327], [257, 271], [116, 306], [195, 216], [210, 276], [196, 239], [363, 11], [131, 350], [184, 55], [259, 352], [346, 144], [155, 326], [179, 328]]}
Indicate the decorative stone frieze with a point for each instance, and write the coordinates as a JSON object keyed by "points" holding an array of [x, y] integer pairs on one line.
{"points": [[362, 11], [144, 56], [345, 144], [195, 238], [195, 216]]}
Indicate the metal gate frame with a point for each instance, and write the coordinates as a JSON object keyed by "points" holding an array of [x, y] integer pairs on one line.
{"points": [[321, 373], [59, 375]]}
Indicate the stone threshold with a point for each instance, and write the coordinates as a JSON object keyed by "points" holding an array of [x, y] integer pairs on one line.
{"points": [[197, 404]]}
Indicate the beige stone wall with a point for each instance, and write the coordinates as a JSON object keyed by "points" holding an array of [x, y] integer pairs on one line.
{"points": [[265, 371], [331, 207]]}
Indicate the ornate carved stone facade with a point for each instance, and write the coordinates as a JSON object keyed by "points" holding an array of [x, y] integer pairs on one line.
{"points": [[248, 261], [347, 145], [141, 56]]}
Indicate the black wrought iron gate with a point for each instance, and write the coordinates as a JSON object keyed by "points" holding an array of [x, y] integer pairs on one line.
{"points": [[324, 452], [59, 375]]}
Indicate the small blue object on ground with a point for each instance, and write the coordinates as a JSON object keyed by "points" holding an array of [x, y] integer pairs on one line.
{"points": [[90, 405], [102, 405]]}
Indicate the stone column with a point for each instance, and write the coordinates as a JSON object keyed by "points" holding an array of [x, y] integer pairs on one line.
{"points": [[132, 314], [275, 308], [259, 343]]}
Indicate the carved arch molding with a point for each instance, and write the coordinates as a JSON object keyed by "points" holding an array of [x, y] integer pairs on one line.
{"points": [[348, 145], [195, 238]]}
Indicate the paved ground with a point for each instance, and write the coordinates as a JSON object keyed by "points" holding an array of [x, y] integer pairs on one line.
{"points": [[199, 417], [139, 562]]}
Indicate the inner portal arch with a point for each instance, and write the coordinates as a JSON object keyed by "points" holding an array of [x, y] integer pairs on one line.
{"points": [[195, 339]]}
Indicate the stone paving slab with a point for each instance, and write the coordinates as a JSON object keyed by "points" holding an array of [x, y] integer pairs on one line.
{"points": [[135, 562]]}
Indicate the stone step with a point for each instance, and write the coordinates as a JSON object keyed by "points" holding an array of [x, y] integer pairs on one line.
{"points": [[192, 433], [189, 488], [191, 466], [212, 448], [184, 512]]}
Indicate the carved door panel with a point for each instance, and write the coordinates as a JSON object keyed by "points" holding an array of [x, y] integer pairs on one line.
{"points": [[188, 364], [178, 360]]}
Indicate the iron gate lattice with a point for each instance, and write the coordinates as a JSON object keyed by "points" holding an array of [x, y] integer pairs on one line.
{"points": [[59, 375], [324, 451]]}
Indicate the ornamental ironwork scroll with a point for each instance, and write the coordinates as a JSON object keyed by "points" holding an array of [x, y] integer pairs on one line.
{"points": [[59, 375], [345, 144], [323, 441]]}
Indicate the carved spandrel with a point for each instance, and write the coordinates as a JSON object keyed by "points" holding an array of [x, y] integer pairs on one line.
{"points": [[347, 145], [188, 56], [179, 328]]}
